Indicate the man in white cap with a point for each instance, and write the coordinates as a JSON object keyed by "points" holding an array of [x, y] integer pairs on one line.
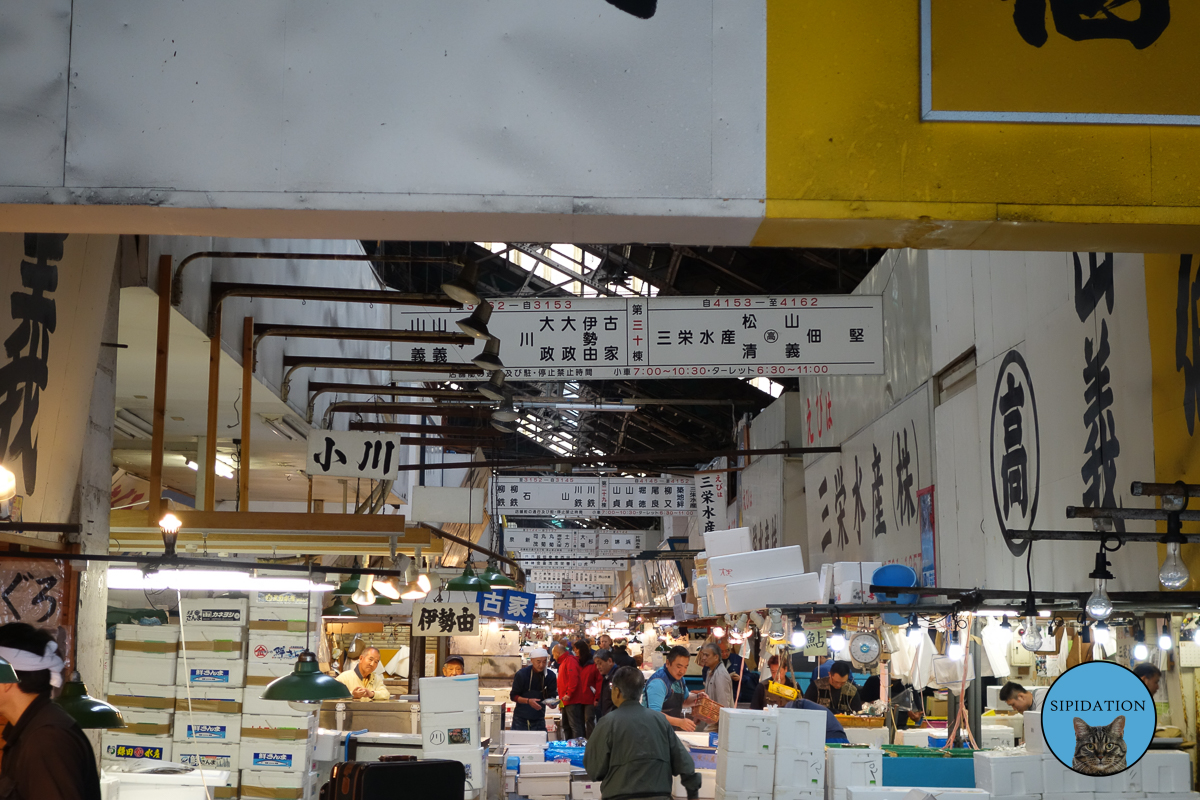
{"points": [[532, 686]]}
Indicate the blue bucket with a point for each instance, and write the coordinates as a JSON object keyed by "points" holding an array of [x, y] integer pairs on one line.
{"points": [[896, 575]]}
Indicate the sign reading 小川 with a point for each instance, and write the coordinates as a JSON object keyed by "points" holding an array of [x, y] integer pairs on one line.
{"points": [[508, 604], [593, 497], [445, 619], [669, 337], [354, 454]]}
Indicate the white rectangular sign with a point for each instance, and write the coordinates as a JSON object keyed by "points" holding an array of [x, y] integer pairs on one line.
{"points": [[605, 559], [711, 502], [445, 619], [669, 337], [592, 497], [354, 454]]}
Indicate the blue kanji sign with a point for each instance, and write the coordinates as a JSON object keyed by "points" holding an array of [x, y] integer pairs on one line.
{"points": [[508, 604]]}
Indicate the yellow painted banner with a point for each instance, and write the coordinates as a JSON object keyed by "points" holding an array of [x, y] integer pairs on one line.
{"points": [[1130, 61]]}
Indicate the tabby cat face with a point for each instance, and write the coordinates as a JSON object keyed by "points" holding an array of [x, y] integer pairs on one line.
{"points": [[1100, 749]]}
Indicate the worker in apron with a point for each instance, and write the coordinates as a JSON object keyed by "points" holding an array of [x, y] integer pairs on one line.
{"points": [[532, 686], [666, 692]]}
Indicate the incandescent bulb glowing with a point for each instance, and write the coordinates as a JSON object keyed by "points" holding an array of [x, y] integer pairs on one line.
{"points": [[1099, 606], [1164, 641], [1173, 575], [1101, 634], [955, 652], [1006, 631], [837, 642], [170, 524], [1140, 651], [718, 632], [799, 638]]}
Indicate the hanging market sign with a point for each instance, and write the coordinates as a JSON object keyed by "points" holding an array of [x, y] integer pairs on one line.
{"points": [[607, 559], [592, 497], [582, 540], [507, 604], [711, 503], [445, 619], [354, 454], [668, 337]]}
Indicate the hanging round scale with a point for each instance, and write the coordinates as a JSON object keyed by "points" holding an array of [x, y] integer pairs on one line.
{"points": [[864, 648]]}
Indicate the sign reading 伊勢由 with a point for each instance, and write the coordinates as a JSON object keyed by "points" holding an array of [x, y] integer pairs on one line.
{"points": [[445, 619]]}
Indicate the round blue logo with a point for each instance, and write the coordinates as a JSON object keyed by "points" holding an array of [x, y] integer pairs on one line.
{"points": [[1098, 718]]}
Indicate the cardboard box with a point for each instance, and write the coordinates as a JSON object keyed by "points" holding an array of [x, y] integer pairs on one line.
{"points": [[141, 722], [208, 700], [214, 641], [1035, 742], [708, 785], [1008, 775], [728, 543], [141, 696], [216, 672], [856, 767], [441, 695], [282, 728], [752, 595], [799, 769], [758, 565], [147, 641], [208, 755], [273, 784], [210, 611], [861, 571], [748, 732], [720, 794], [271, 756], [741, 772], [202, 728], [135, 668], [118, 746], [450, 729], [275, 647], [1165, 772]]}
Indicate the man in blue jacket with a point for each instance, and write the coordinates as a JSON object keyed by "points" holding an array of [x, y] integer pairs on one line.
{"points": [[666, 692]]}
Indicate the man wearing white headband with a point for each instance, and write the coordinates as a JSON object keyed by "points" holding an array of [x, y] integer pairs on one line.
{"points": [[46, 755], [532, 686]]}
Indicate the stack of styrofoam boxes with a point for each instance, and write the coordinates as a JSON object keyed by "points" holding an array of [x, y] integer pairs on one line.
{"points": [[527, 746], [1164, 775], [800, 754], [746, 754], [1009, 776], [208, 723], [144, 657], [750, 581], [917, 793], [550, 780], [852, 579], [147, 709], [846, 767], [993, 736], [450, 727], [211, 667], [582, 788], [284, 746]]}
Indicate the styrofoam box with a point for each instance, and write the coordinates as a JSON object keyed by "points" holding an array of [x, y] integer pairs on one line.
{"points": [[794, 793], [150, 786], [1014, 721], [223, 728], [993, 736], [450, 729], [855, 571], [212, 672], [128, 668], [214, 641], [262, 779], [1035, 742], [544, 785], [994, 701], [728, 543], [284, 618], [209, 611], [898, 793], [1165, 772], [524, 737], [510, 783], [148, 641], [758, 565], [849, 592], [270, 647], [276, 756], [746, 731], [281, 728], [752, 595], [1057, 779], [144, 722], [914, 737], [1027, 797], [853, 767], [474, 761], [716, 601], [528, 756], [118, 746], [257, 678], [439, 695], [796, 768], [743, 772], [721, 794], [588, 790], [141, 696], [801, 729], [1069, 796], [1008, 775], [209, 700], [1173, 796], [875, 737], [548, 768], [708, 785], [209, 755]]}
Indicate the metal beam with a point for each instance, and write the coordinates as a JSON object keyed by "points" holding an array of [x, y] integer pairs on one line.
{"points": [[162, 349], [293, 363], [436, 430], [446, 409], [222, 290], [698, 457], [316, 388], [554, 265], [264, 329]]}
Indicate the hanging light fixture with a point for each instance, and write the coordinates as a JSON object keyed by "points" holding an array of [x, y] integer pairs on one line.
{"points": [[338, 609], [799, 636], [416, 583], [169, 525], [955, 650], [1098, 605], [495, 578], [1164, 640], [914, 633], [476, 324], [507, 412], [1031, 639], [503, 427], [463, 288], [1140, 651], [348, 587], [719, 632], [306, 685], [467, 582], [1006, 631], [365, 596], [776, 635], [1174, 573], [1101, 633], [837, 636], [495, 388], [489, 359], [87, 711]]}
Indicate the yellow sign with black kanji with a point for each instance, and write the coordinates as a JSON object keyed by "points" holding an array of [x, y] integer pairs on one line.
{"points": [[1086, 61]]}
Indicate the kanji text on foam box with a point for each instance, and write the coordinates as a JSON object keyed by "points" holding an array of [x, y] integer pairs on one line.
{"points": [[275, 756], [277, 648], [221, 728], [211, 672], [120, 746], [450, 729], [208, 755], [217, 611], [739, 568]]}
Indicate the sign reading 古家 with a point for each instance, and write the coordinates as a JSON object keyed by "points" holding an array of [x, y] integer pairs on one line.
{"points": [[508, 604]]}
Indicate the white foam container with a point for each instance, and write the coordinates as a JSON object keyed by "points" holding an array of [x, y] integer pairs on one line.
{"points": [[743, 772], [746, 731], [1008, 775]]}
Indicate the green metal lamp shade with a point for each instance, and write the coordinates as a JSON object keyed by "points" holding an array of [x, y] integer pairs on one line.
{"points": [[86, 710], [306, 684], [495, 578], [339, 609], [468, 582], [349, 587]]}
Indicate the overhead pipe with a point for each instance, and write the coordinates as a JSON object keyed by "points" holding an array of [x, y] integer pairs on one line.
{"points": [[293, 363], [648, 459], [263, 330], [518, 573], [317, 388]]}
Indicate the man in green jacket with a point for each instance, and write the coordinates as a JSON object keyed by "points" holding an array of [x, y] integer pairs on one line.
{"points": [[634, 751]]}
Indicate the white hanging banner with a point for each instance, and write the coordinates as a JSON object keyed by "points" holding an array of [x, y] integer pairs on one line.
{"points": [[711, 501], [354, 454], [592, 497], [668, 337]]}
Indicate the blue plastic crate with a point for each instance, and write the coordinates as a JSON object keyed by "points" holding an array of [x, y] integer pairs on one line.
{"points": [[704, 757], [949, 773]]}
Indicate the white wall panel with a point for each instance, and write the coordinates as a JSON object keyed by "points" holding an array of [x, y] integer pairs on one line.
{"points": [[951, 308]]}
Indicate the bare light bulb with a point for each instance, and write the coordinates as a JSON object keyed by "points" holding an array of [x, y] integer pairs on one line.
{"points": [[799, 638], [1099, 606], [1173, 575], [1101, 634], [718, 632], [955, 651], [1032, 638], [1164, 641], [1006, 631], [1140, 651]]}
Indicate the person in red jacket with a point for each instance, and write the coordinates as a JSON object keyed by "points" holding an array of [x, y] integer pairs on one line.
{"points": [[590, 681], [569, 689]]}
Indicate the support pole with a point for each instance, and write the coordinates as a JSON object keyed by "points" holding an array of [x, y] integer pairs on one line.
{"points": [[210, 441], [160, 384], [247, 391], [975, 688], [416, 662]]}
